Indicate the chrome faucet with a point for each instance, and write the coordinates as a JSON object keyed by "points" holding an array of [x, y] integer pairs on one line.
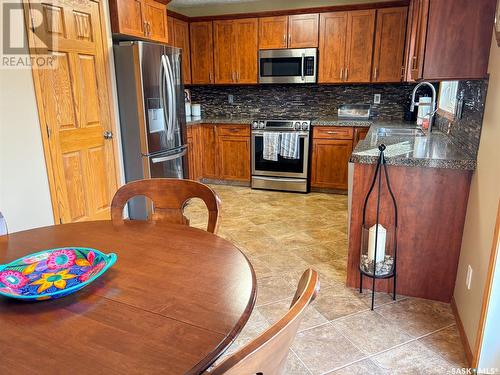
{"points": [[433, 109]]}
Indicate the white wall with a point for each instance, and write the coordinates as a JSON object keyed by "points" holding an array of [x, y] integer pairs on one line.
{"points": [[24, 189], [490, 351], [482, 208]]}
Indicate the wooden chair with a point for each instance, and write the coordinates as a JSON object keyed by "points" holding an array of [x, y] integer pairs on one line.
{"points": [[169, 198], [3, 225], [267, 354]]}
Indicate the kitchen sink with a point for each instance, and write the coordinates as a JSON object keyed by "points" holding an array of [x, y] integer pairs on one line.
{"points": [[400, 132]]}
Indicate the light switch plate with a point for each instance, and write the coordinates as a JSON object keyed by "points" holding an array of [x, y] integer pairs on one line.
{"points": [[376, 99], [230, 99], [468, 278]]}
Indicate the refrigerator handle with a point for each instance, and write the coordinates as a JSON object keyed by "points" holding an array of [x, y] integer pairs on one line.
{"points": [[173, 109], [168, 104], [161, 159], [166, 111]]}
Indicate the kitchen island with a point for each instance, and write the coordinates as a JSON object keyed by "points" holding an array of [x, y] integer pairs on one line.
{"points": [[430, 178]]}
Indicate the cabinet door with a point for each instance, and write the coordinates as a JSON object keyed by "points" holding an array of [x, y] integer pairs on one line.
{"points": [[234, 158], [202, 57], [420, 13], [170, 31], [208, 138], [359, 46], [181, 40], [389, 45], [156, 19], [332, 44], [191, 153], [359, 135], [245, 50], [303, 31], [224, 69], [127, 17], [330, 163], [273, 32]]}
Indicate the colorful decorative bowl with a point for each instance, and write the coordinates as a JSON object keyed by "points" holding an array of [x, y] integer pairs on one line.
{"points": [[53, 273]]}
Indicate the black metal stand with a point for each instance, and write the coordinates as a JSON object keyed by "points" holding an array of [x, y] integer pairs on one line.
{"points": [[377, 178]]}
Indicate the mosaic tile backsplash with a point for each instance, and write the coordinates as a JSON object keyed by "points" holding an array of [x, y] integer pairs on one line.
{"points": [[466, 131], [302, 101]]}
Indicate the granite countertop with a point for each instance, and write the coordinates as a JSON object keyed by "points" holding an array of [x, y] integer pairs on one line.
{"points": [[326, 121], [435, 151], [335, 121], [218, 120]]}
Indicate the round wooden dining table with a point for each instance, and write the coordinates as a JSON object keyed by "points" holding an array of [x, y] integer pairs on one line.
{"points": [[173, 302]]}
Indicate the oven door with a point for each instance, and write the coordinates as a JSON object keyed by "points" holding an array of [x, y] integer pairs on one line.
{"points": [[282, 167], [287, 65]]}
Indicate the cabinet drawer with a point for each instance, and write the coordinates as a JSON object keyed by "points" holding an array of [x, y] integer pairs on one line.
{"points": [[333, 132], [234, 130]]}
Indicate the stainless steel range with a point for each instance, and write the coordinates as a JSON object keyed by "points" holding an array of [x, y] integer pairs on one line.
{"points": [[289, 174]]}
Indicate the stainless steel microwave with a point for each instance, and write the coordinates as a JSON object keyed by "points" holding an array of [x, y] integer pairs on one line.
{"points": [[297, 65]]}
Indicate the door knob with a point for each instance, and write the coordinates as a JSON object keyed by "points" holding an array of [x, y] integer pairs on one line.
{"points": [[108, 134]]}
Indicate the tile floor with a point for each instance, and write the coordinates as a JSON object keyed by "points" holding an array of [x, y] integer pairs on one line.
{"points": [[283, 234]]}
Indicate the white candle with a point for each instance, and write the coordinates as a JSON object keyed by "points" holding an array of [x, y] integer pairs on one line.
{"points": [[382, 232]]}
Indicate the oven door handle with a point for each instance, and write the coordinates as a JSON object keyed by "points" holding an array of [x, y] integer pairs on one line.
{"points": [[260, 133], [281, 179], [302, 61]]}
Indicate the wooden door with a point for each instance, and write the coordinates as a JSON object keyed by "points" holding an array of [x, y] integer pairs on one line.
{"points": [[330, 158], [208, 138], [245, 49], [224, 53], [332, 47], [389, 47], [359, 46], [202, 56], [75, 112], [180, 30], [273, 32], [234, 158], [303, 31], [156, 21], [127, 17]]}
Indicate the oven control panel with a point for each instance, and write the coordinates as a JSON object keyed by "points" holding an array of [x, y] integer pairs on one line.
{"points": [[289, 125]]}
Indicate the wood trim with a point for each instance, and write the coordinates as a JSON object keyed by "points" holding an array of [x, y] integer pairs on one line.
{"points": [[463, 336], [179, 16], [288, 12], [487, 291]]}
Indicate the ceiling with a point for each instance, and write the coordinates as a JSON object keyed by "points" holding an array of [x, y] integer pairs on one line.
{"points": [[196, 8]]}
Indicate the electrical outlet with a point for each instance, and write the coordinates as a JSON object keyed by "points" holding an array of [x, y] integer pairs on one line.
{"points": [[376, 99], [230, 99], [468, 278]]}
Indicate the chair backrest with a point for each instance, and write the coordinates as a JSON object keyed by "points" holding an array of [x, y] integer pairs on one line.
{"points": [[266, 355], [169, 198], [3, 225]]}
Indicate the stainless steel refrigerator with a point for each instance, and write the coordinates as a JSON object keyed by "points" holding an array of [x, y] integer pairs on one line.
{"points": [[152, 114]]}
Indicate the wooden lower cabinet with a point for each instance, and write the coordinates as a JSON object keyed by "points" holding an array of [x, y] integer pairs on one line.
{"points": [[330, 158], [359, 135], [234, 158], [219, 152]]}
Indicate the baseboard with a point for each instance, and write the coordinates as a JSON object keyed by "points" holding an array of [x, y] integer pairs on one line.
{"points": [[461, 330]]}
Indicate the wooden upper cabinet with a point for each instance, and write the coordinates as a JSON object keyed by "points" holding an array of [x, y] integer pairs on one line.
{"points": [[145, 19], [303, 31], [273, 32], [389, 47], [246, 50], [170, 31], [417, 30], [235, 51], [224, 52], [180, 30], [202, 63], [359, 46], [458, 39], [297, 31], [156, 21], [332, 45]]}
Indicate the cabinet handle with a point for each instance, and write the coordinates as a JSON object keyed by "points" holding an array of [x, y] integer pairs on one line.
{"points": [[341, 74], [331, 133], [210, 77], [289, 40], [232, 77], [233, 130], [284, 40], [414, 62], [403, 72], [237, 76], [346, 73], [149, 28], [375, 74], [145, 27]]}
